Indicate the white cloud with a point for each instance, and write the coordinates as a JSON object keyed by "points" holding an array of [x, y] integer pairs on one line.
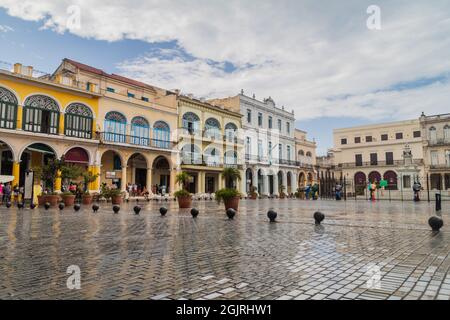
{"points": [[302, 53]]}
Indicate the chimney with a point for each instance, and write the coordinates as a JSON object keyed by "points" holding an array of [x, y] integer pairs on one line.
{"points": [[22, 70]]}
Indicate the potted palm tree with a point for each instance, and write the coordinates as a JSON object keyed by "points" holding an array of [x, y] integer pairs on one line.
{"points": [[88, 178], [115, 194], [183, 196], [69, 172], [48, 174], [229, 195]]}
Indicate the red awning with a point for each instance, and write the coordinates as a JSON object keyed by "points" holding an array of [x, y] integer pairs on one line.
{"points": [[77, 155]]}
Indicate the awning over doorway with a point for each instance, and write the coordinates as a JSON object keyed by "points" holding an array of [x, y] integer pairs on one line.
{"points": [[5, 179], [77, 155]]}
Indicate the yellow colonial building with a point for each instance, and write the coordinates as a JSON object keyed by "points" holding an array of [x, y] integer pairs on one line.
{"points": [[40, 119], [135, 127], [208, 140]]}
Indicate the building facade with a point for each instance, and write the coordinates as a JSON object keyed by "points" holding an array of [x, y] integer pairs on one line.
{"points": [[135, 128], [306, 159], [388, 151], [271, 160], [37, 118], [208, 141], [436, 149]]}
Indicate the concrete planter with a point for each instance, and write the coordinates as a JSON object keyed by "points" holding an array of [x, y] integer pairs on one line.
{"points": [[232, 203], [184, 202]]}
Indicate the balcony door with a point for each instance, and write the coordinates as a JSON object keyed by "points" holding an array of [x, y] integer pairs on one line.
{"points": [[41, 115]]}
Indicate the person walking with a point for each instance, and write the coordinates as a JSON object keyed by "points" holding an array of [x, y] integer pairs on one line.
{"points": [[1, 193], [7, 192]]}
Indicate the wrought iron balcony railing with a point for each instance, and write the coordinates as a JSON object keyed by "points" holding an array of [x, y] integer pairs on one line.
{"points": [[116, 138], [439, 142], [365, 164]]}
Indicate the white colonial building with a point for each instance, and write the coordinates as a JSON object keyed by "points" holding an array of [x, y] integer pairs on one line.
{"points": [[270, 146]]}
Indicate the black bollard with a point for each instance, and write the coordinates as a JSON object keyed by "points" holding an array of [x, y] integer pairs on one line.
{"points": [[20, 205], [318, 217], [438, 202], [95, 208], [61, 206], [272, 215], [116, 209], [436, 223], [76, 207], [163, 211], [231, 213], [47, 206], [194, 213], [32, 206], [137, 209], [8, 204]]}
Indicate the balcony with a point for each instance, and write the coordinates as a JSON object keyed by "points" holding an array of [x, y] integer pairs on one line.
{"points": [[196, 159], [444, 166], [270, 161], [377, 164], [116, 138], [439, 142]]}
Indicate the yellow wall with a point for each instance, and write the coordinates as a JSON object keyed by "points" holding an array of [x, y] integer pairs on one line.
{"points": [[61, 96]]}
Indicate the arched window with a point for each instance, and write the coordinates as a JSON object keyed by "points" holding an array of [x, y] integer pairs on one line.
{"points": [[447, 133], [212, 128], [374, 177], [161, 135], [212, 157], [115, 127], [191, 122], [191, 154], [301, 153], [288, 153], [433, 135], [8, 109], [231, 158], [231, 132], [78, 121], [309, 154], [140, 131], [391, 178], [41, 114]]}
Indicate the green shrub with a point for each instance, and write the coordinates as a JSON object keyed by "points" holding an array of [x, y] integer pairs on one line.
{"points": [[182, 193], [227, 193]]}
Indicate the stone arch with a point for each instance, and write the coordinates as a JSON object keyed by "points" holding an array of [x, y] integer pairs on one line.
{"points": [[42, 101], [87, 151]]}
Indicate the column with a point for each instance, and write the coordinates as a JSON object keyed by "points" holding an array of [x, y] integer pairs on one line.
{"points": [[284, 181], [201, 182], [243, 184], [95, 185], [275, 185], [16, 173], [240, 184], [61, 124], [255, 181], [294, 183], [58, 182], [19, 117], [123, 181], [265, 185], [149, 180], [173, 185]]}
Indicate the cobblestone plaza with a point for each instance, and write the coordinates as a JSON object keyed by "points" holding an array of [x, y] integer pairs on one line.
{"points": [[363, 250]]}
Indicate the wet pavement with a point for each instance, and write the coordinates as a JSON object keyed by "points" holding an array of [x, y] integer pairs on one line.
{"points": [[363, 250]]}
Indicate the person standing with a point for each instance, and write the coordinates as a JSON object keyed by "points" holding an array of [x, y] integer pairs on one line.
{"points": [[1, 192]]}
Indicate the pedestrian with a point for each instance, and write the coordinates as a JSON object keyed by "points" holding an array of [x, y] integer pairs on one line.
{"points": [[16, 194], [7, 192], [22, 194], [1, 192]]}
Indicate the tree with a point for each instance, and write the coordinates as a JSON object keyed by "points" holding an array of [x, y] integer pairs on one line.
{"points": [[231, 175]]}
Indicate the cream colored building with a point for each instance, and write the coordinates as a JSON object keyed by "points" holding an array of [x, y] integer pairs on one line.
{"points": [[306, 158], [375, 152], [208, 141], [436, 149], [135, 126]]}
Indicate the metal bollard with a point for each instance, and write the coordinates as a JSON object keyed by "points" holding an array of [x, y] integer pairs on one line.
{"points": [[438, 202]]}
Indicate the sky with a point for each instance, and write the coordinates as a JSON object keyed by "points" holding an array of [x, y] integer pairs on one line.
{"points": [[335, 63]]}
